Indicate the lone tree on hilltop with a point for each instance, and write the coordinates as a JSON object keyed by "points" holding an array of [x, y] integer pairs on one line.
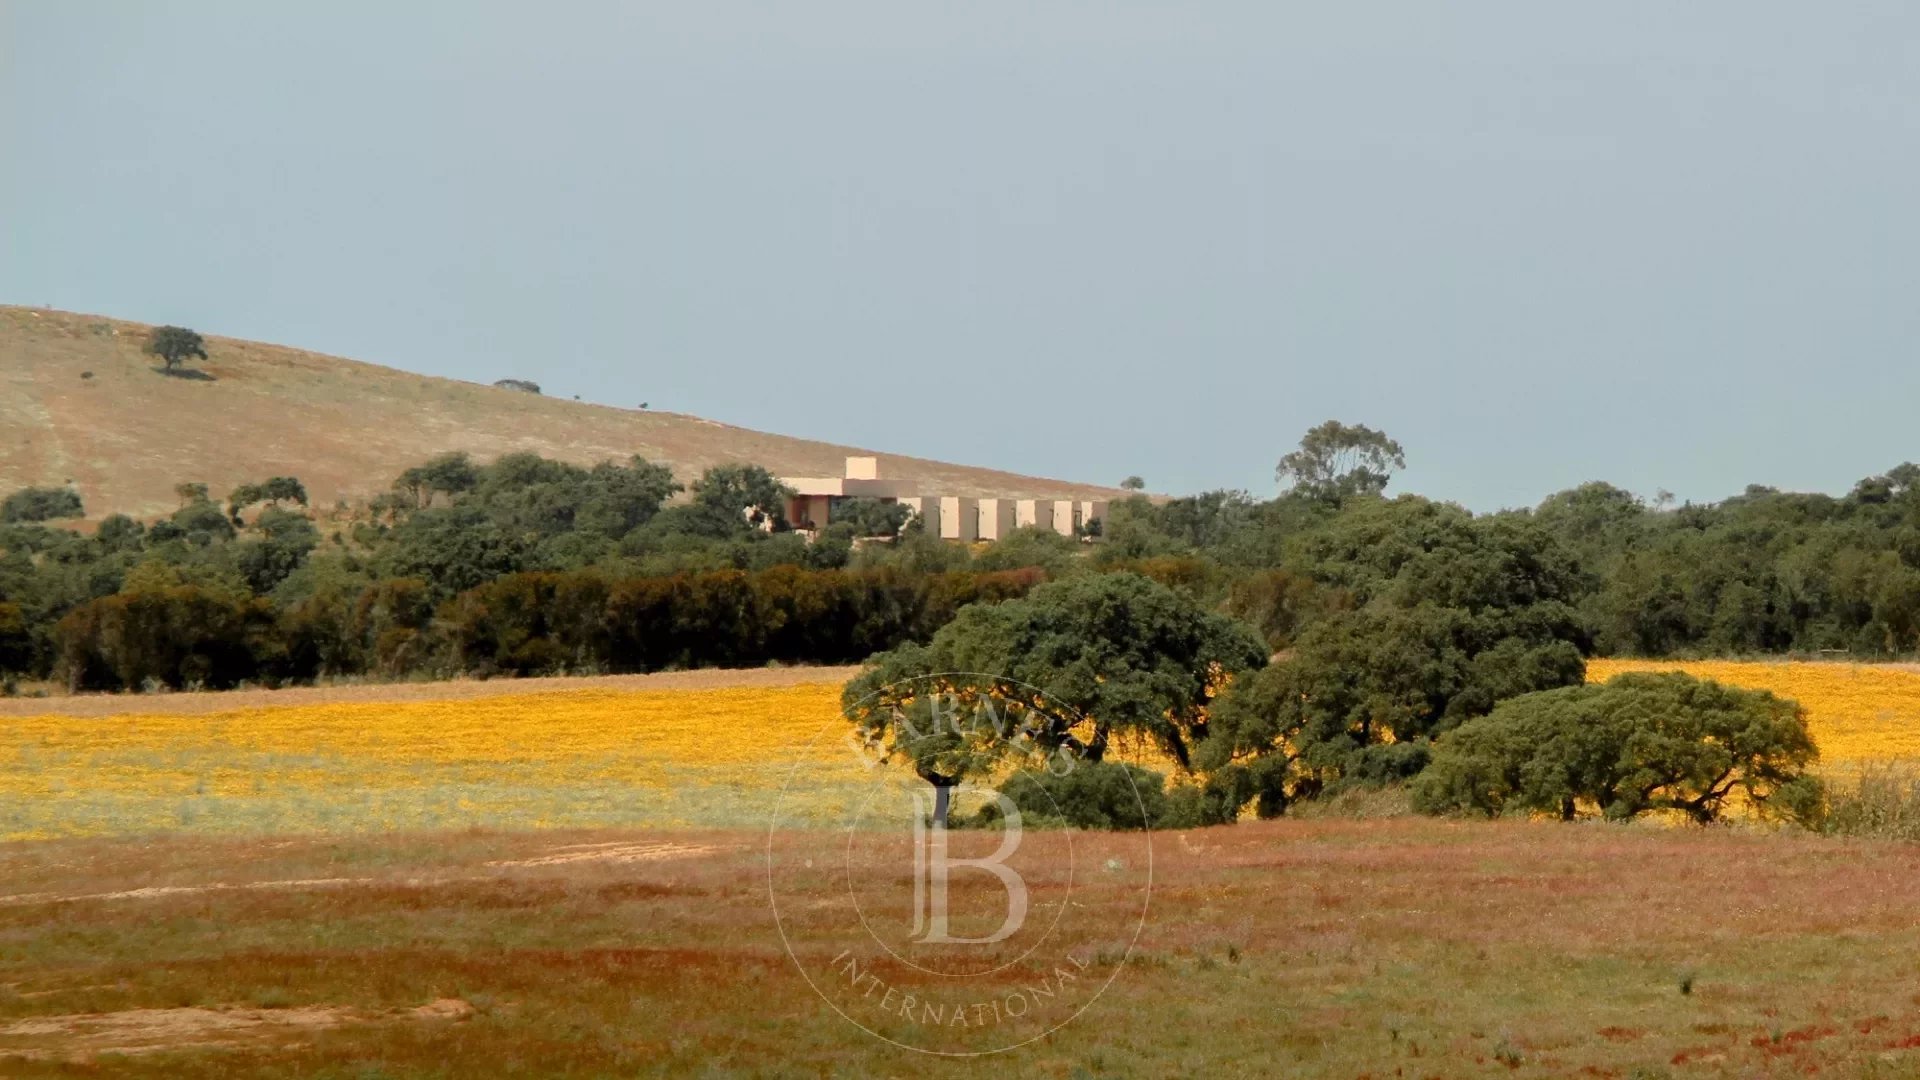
{"points": [[174, 344]]}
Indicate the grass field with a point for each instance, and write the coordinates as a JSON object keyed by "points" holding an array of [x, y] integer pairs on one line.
{"points": [[1301, 948], [571, 878]]}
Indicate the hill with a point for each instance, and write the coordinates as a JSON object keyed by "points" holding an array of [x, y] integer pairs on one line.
{"points": [[81, 405]]}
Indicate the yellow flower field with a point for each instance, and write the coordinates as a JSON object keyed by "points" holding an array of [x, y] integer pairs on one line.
{"points": [[589, 757], [569, 757], [1857, 712]]}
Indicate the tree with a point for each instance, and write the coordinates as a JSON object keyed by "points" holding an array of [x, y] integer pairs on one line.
{"points": [[1030, 545], [452, 549], [1133, 483], [1337, 461], [451, 474], [285, 540], [174, 344], [1449, 615], [730, 502], [182, 636], [868, 516], [1641, 742], [41, 504], [275, 491], [1065, 670], [201, 524]]}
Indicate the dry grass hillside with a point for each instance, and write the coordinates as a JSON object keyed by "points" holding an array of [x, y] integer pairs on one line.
{"points": [[81, 405]]}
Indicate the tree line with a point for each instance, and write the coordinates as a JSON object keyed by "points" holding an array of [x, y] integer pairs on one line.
{"points": [[456, 545]]}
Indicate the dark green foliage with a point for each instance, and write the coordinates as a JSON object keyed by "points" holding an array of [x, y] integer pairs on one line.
{"points": [[1457, 614], [451, 549], [283, 542], [1092, 795], [1281, 603], [174, 345], [869, 517], [1639, 743], [1031, 546], [1091, 659], [1338, 461], [16, 643], [1764, 571], [1398, 618], [118, 532], [274, 492], [197, 524], [183, 636], [1105, 795], [41, 504], [730, 501], [449, 474], [542, 623]]}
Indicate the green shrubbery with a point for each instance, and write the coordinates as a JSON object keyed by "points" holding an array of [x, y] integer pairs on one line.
{"points": [[1639, 743], [41, 504], [520, 624], [1103, 795]]}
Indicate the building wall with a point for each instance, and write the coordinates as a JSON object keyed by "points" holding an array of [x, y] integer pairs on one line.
{"points": [[996, 518], [1031, 513], [950, 517], [959, 518], [926, 509], [1066, 516]]}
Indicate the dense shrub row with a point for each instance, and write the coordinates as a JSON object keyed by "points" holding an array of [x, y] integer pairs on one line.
{"points": [[523, 624]]}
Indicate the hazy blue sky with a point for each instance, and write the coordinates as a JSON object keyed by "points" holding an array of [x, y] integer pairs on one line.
{"points": [[1670, 244]]}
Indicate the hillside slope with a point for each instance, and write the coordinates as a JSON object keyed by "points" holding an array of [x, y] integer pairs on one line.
{"points": [[126, 434]]}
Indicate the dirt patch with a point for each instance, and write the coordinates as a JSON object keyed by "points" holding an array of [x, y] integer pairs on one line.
{"points": [[154, 892], [82, 1036], [618, 851], [611, 852]]}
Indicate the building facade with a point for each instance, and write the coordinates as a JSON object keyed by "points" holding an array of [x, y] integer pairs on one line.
{"points": [[951, 517]]}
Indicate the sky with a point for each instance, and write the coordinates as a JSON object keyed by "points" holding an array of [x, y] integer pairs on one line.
{"points": [[1669, 245]]}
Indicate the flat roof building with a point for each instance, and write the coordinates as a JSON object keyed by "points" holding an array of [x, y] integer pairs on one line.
{"points": [[953, 517]]}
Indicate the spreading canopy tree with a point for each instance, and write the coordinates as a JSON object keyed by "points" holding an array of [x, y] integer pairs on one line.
{"points": [[174, 345], [1641, 742], [1337, 461], [1077, 662], [1450, 614], [41, 504]]}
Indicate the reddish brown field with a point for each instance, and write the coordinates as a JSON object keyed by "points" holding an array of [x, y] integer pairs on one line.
{"points": [[1404, 947]]}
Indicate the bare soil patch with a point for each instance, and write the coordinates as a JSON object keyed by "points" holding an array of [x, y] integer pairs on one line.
{"points": [[82, 1036]]}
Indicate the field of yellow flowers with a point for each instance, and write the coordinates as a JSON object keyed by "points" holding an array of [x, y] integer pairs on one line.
{"points": [[1858, 713], [585, 757], [603, 757]]}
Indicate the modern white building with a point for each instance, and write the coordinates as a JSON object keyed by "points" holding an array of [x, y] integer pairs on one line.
{"points": [[952, 517]]}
